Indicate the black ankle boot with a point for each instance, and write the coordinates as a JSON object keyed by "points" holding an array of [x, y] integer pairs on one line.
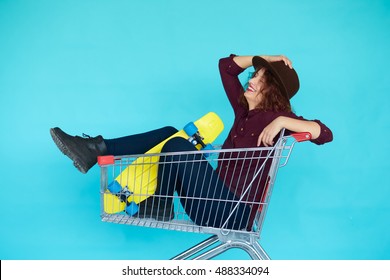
{"points": [[82, 150]]}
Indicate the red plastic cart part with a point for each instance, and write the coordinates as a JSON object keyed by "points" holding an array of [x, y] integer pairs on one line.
{"points": [[105, 160], [302, 136], [262, 202]]}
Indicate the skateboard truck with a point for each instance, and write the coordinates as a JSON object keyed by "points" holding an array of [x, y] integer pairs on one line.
{"points": [[195, 138], [123, 194]]}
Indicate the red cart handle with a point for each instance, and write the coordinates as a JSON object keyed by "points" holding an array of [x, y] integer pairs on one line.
{"points": [[105, 160], [302, 136]]}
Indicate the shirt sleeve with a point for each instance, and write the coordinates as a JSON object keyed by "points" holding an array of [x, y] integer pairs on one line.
{"points": [[229, 72], [325, 136]]}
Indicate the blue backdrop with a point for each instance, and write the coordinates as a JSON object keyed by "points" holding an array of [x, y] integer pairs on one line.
{"points": [[121, 67]]}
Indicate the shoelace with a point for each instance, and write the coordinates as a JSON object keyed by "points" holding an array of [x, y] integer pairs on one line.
{"points": [[86, 135]]}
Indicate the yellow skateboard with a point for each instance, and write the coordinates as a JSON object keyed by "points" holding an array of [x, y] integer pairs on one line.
{"points": [[139, 180]]}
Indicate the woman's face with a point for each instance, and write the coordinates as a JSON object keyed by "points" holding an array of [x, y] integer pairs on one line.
{"points": [[253, 93]]}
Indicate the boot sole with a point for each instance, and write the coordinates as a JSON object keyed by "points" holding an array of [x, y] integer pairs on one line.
{"points": [[76, 162]]}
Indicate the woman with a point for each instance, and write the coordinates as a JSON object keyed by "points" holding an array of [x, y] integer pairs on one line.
{"points": [[261, 112]]}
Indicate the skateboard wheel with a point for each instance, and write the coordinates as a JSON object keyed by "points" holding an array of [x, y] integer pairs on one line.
{"points": [[114, 187], [131, 209], [190, 129], [208, 147]]}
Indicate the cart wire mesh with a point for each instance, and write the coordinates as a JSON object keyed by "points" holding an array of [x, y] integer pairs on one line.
{"points": [[188, 196]]}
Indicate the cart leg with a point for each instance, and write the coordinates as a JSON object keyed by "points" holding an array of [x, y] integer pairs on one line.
{"points": [[255, 251], [260, 251], [213, 252], [197, 248]]}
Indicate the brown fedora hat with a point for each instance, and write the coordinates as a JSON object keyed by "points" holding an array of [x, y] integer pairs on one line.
{"points": [[286, 76]]}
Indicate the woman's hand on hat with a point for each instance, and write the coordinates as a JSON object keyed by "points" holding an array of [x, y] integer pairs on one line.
{"points": [[274, 58]]}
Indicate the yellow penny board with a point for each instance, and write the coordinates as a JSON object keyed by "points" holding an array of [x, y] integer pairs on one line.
{"points": [[140, 177]]}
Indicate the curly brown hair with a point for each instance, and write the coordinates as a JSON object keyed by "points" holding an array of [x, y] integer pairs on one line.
{"points": [[273, 99]]}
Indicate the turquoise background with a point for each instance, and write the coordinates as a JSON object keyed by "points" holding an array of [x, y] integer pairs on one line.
{"points": [[122, 67]]}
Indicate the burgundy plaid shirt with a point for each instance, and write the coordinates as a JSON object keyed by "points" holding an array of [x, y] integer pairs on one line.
{"points": [[244, 133]]}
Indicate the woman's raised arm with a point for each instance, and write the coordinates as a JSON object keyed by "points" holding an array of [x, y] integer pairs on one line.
{"points": [[245, 61]]}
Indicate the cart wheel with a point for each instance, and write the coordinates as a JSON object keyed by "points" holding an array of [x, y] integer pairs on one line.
{"points": [[114, 187], [208, 147], [131, 209], [190, 129]]}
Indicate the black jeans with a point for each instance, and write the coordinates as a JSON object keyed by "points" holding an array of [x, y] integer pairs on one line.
{"points": [[138, 143], [203, 195]]}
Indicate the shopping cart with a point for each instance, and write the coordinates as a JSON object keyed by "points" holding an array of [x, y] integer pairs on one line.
{"points": [[254, 169]]}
